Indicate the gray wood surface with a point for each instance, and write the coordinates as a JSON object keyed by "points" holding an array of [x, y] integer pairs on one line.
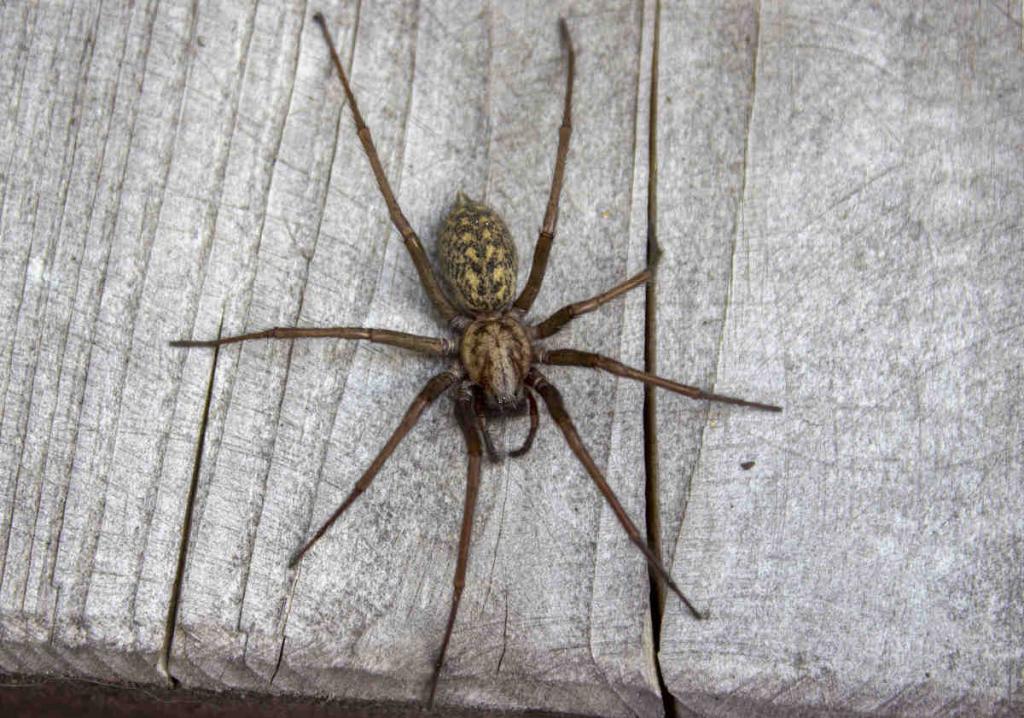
{"points": [[172, 166], [847, 241], [840, 215]]}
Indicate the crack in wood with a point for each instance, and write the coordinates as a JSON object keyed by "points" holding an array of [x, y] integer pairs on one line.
{"points": [[164, 664], [650, 406]]}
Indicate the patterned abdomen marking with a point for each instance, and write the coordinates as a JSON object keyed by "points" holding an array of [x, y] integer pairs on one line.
{"points": [[478, 257]]}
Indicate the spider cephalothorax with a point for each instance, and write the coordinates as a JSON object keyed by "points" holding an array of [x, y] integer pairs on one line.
{"points": [[495, 355]]}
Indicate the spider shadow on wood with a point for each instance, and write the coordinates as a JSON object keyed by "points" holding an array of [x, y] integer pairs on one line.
{"points": [[494, 353]]}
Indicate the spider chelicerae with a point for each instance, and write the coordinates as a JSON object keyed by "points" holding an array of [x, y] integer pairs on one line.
{"points": [[494, 353]]}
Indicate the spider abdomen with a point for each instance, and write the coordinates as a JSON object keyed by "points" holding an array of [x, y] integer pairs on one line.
{"points": [[478, 257], [497, 355]]}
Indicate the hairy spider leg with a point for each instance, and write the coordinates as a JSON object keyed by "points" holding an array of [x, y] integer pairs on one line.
{"points": [[570, 311], [547, 232], [412, 241], [415, 342], [573, 357], [553, 400], [466, 415], [534, 423], [434, 388]]}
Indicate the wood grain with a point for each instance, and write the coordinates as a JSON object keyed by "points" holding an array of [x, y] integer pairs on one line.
{"points": [[173, 166], [858, 225], [840, 220]]}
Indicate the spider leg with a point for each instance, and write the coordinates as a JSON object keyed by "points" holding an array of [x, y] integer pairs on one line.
{"points": [[433, 389], [553, 399], [480, 418], [466, 414], [547, 232], [423, 345], [573, 357], [412, 242], [569, 312], [534, 423]]}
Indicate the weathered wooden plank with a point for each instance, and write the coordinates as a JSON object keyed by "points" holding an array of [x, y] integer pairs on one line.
{"points": [[869, 272], [170, 167], [705, 86], [87, 219]]}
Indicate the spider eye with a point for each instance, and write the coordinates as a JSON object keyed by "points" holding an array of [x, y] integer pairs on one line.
{"points": [[504, 402], [508, 404]]}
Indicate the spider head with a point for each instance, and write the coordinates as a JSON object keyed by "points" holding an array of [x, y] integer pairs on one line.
{"points": [[506, 405], [496, 354]]}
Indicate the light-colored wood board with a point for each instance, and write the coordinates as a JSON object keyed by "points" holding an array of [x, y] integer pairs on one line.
{"points": [[705, 89], [871, 558], [169, 167]]}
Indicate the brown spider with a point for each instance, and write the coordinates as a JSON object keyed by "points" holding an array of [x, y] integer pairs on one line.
{"points": [[496, 351]]}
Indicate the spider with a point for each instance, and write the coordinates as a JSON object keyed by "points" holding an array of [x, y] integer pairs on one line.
{"points": [[494, 354]]}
